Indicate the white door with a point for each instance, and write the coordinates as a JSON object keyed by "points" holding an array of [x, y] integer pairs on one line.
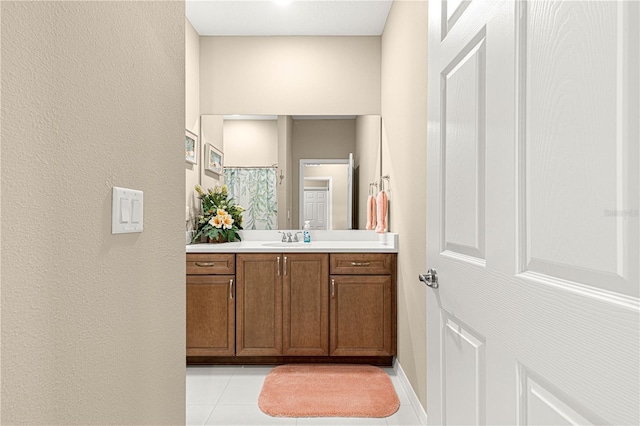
{"points": [[532, 217], [316, 207]]}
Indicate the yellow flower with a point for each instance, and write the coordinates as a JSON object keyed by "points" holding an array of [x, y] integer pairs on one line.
{"points": [[199, 189], [225, 188], [221, 212], [216, 221], [227, 220]]}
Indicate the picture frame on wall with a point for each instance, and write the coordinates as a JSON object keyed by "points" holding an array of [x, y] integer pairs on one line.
{"points": [[191, 147], [213, 159]]}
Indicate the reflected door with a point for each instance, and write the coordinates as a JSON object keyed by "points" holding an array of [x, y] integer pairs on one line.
{"points": [[316, 207], [532, 212]]}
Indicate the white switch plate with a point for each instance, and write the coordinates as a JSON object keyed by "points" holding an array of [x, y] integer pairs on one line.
{"points": [[126, 211]]}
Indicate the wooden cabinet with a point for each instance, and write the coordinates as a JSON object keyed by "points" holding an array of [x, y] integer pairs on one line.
{"points": [[305, 304], [362, 304], [210, 305], [282, 304], [259, 304], [282, 307]]}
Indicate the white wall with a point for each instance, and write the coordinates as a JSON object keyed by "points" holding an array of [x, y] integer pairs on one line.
{"points": [[404, 114], [290, 75], [93, 324]]}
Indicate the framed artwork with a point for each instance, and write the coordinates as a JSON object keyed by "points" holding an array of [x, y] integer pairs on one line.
{"points": [[214, 158], [191, 147]]}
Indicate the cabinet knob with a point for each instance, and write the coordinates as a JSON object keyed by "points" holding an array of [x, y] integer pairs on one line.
{"points": [[231, 289], [204, 264], [333, 288]]}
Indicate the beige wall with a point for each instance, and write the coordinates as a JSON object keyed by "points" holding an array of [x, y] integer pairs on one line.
{"points": [[250, 143], [367, 161], [290, 75], [211, 129], [192, 115], [93, 324], [285, 134], [318, 139], [404, 112]]}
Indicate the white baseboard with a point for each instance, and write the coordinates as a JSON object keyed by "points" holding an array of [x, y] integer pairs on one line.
{"points": [[415, 402]]}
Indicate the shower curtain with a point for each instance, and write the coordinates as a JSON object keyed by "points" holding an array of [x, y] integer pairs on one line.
{"points": [[254, 189]]}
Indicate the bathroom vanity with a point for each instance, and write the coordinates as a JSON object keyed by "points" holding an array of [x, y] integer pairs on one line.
{"points": [[263, 301]]}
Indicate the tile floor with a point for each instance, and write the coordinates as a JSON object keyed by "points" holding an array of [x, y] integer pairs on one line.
{"points": [[229, 396]]}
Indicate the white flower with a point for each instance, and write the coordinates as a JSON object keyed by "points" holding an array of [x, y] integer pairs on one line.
{"points": [[227, 221], [216, 221]]}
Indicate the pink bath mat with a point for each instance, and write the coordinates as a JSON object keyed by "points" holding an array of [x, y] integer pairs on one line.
{"points": [[323, 390]]}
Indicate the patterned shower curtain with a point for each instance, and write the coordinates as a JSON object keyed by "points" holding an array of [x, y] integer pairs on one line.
{"points": [[255, 190]]}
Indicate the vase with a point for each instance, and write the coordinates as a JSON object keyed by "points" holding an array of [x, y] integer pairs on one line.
{"points": [[219, 239]]}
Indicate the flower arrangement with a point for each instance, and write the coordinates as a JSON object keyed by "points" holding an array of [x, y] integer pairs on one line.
{"points": [[221, 217]]}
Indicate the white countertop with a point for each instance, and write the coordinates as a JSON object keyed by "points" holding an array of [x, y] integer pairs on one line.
{"points": [[321, 242]]}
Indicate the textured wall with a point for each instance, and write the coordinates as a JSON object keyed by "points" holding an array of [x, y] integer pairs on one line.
{"points": [[404, 112], [290, 75], [93, 324]]}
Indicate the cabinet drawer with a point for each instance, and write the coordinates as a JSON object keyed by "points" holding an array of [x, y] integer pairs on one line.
{"points": [[362, 263], [211, 264]]}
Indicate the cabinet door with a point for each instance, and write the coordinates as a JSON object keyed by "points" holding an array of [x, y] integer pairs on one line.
{"points": [[210, 315], [305, 304], [361, 315], [259, 304]]}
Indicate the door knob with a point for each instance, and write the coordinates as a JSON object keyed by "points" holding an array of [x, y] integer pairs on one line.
{"points": [[430, 278]]}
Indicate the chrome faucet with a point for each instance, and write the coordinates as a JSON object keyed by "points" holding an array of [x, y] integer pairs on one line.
{"points": [[288, 237]]}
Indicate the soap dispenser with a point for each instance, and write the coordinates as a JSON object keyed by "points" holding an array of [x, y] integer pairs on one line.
{"points": [[306, 234]]}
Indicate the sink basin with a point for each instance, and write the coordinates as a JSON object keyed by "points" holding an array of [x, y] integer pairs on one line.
{"points": [[287, 245]]}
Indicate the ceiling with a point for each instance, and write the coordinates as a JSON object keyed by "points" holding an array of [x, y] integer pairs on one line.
{"points": [[292, 18]]}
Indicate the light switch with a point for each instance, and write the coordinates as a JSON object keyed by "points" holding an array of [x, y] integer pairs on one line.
{"points": [[136, 211], [125, 206], [126, 210]]}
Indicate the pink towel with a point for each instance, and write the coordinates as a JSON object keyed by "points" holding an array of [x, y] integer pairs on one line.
{"points": [[371, 213], [382, 212]]}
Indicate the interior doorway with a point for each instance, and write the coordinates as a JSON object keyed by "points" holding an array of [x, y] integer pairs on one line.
{"points": [[317, 202]]}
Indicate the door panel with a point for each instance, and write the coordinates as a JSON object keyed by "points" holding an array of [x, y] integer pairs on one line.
{"points": [[210, 315], [316, 208], [464, 369], [532, 213], [360, 315], [463, 165], [258, 304], [566, 110], [544, 404], [306, 304]]}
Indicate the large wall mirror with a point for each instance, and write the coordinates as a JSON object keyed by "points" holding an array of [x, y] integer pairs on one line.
{"points": [[288, 169]]}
